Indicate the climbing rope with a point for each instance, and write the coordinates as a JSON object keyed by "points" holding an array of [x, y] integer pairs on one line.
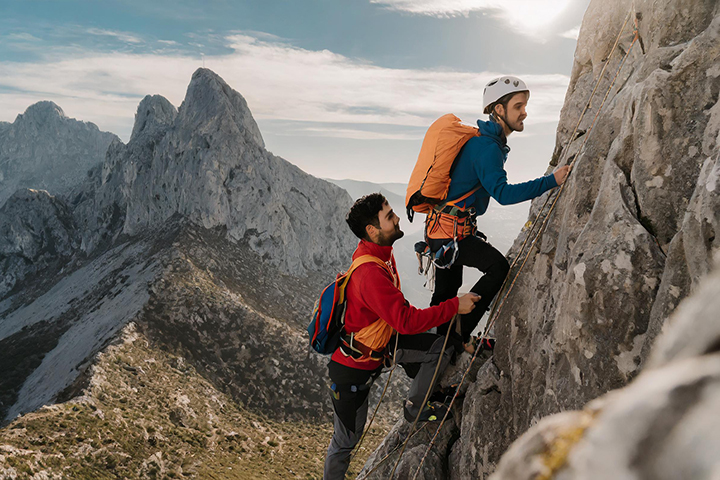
{"points": [[497, 308], [427, 394], [390, 453]]}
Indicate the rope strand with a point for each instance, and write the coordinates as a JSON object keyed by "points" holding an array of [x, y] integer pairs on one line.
{"points": [[427, 394]]}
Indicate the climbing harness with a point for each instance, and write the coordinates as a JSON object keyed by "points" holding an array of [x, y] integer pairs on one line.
{"points": [[497, 306]]}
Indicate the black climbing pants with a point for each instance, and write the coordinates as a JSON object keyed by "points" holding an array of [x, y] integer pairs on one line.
{"points": [[417, 354], [477, 253]]}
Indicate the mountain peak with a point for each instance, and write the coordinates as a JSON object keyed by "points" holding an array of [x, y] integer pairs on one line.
{"points": [[209, 100], [154, 113], [44, 110]]}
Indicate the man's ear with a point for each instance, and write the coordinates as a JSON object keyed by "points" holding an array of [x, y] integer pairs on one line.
{"points": [[370, 231], [499, 110]]}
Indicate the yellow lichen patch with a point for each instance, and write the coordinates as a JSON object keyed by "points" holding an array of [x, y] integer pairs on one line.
{"points": [[555, 456]]}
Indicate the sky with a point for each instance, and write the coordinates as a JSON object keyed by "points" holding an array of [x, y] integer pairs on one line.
{"points": [[341, 88]]}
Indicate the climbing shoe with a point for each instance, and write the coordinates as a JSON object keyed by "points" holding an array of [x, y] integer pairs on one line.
{"points": [[433, 412], [445, 395], [487, 345]]}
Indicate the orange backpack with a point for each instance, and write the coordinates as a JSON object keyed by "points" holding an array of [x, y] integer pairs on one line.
{"points": [[430, 179]]}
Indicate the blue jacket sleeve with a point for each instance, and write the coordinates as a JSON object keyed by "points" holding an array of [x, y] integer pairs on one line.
{"points": [[492, 175]]}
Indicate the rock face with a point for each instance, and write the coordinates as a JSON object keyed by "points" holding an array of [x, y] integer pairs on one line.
{"points": [[630, 238], [43, 149], [37, 233], [207, 162], [664, 425]]}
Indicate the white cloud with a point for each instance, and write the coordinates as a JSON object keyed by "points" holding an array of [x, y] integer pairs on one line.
{"points": [[168, 42], [124, 36], [525, 16], [22, 37], [280, 82], [351, 133], [572, 34]]}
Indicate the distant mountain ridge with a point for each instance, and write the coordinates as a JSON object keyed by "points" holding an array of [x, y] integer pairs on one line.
{"points": [[207, 162], [44, 149]]}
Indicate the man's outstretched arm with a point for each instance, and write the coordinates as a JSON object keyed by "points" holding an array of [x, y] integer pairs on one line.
{"points": [[493, 177], [382, 297]]}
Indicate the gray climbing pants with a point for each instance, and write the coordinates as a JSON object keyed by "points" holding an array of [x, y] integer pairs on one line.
{"points": [[418, 355]]}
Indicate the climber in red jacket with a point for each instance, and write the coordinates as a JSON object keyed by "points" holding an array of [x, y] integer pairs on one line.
{"points": [[376, 311]]}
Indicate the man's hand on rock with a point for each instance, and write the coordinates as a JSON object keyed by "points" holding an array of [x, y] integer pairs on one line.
{"points": [[561, 174], [467, 303]]}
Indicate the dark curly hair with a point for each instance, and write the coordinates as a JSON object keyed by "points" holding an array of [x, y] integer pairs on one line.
{"points": [[364, 212]]}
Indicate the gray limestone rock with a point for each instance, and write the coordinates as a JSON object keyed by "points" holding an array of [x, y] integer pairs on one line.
{"points": [[382, 461], [664, 425], [37, 231], [154, 116], [208, 164], [44, 149]]}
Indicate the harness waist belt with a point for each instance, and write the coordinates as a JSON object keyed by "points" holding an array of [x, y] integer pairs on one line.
{"points": [[458, 212], [357, 350]]}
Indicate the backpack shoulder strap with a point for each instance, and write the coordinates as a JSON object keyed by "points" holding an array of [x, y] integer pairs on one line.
{"points": [[343, 279], [452, 203], [363, 259]]}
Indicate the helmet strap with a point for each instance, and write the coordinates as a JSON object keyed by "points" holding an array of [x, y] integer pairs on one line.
{"points": [[494, 116], [504, 118]]}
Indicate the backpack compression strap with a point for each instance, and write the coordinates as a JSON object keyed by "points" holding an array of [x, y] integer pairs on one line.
{"points": [[455, 202]]}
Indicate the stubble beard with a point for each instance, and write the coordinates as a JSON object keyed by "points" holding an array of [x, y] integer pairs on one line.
{"points": [[389, 240]]}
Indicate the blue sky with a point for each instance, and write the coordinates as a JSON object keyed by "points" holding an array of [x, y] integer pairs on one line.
{"points": [[342, 88]]}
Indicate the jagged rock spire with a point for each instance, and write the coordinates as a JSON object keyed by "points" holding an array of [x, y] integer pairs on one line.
{"points": [[209, 99], [154, 114], [208, 164], [45, 149]]}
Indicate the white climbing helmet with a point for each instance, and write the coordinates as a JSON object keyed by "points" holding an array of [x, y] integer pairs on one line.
{"points": [[499, 87]]}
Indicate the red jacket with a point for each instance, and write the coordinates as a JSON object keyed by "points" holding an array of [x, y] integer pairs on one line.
{"points": [[372, 294]]}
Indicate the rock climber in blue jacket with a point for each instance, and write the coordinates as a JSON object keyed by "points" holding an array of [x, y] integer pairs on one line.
{"points": [[480, 164]]}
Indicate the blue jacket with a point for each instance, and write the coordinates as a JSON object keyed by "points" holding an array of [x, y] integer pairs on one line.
{"points": [[482, 161]]}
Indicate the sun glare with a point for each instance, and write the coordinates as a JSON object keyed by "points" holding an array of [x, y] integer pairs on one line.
{"points": [[533, 14]]}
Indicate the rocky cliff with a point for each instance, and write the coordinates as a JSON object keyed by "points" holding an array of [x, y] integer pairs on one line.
{"points": [[44, 149], [664, 425], [630, 238], [37, 234]]}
